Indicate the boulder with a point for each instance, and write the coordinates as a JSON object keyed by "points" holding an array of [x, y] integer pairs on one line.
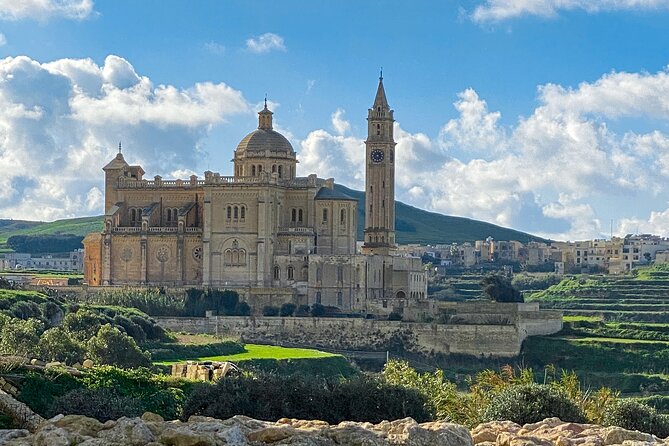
{"points": [[87, 364], [128, 431]]}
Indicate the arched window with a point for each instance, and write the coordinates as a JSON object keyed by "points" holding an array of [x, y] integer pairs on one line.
{"points": [[340, 300], [342, 216], [318, 274], [280, 171], [325, 215], [293, 215], [299, 216], [378, 129], [253, 171], [236, 212], [340, 273], [273, 168], [291, 273], [277, 273], [259, 168], [229, 214], [242, 212]]}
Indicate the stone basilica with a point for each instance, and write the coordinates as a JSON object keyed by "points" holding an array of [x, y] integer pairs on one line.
{"points": [[265, 232]]}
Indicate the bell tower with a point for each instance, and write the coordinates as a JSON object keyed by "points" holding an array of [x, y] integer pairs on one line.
{"points": [[379, 177]]}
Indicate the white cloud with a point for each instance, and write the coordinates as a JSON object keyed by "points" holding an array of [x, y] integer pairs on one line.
{"points": [[45, 9], [70, 114], [548, 174], [340, 125], [3, 40], [499, 10], [214, 48], [265, 43]]}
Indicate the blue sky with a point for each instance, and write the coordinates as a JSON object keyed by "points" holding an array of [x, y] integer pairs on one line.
{"points": [[543, 115]]}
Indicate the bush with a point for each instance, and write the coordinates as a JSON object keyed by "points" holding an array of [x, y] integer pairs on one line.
{"points": [[243, 309], [56, 344], [270, 397], [318, 310], [302, 311], [110, 346], [269, 310], [19, 337], [633, 415], [394, 316], [83, 324], [529, 403], [287, 309], [103, 404], [500, 289]]}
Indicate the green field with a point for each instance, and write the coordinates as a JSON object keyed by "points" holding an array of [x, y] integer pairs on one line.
{"points": [[256, 351]]}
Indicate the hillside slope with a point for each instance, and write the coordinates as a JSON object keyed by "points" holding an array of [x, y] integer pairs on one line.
{"points": [[413, 226]]}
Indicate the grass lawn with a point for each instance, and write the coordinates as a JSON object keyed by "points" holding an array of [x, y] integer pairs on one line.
{"points": [[581, 319], [255, 351]]}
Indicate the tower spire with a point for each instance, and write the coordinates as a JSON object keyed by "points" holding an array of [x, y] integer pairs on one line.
{"points": [[380, 99], [119, 147]]}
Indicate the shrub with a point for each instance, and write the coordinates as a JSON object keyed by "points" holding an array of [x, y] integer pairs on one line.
{"points": [[131, 329], [103, 404], [270, 397], [19, 337], [500, 289], [302, 311], [394, 316], [442, 399], [56, 344], [83, 324], [287, 309], [633, 415], [529, 403], [269, 310], [318, 310], [243, 309], [110, 346]]}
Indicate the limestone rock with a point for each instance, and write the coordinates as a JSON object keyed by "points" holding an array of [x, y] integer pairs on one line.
{"points": [[10, 434], [128, 431], [88, 364], [79, 424]]}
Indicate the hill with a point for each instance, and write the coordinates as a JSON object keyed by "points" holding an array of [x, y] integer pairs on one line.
{"points": [[74, 226], [413, 226]]}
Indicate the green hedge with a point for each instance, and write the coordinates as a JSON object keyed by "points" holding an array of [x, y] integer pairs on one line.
{"points": [[175, 352]]}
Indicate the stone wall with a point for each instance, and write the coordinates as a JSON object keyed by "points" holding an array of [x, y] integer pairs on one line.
{"points": [[483, 329], [359, 334]]}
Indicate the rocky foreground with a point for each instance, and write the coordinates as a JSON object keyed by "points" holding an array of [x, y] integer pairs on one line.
{"points": [[152, 430]]}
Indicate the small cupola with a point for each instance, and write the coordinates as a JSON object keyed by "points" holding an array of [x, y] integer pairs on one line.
{"points": [[265, 118]]}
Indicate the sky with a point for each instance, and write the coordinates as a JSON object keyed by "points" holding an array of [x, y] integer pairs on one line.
{"points": [[547, 116]]}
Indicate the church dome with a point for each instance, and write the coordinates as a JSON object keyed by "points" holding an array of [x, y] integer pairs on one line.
{"points": [[265, 138]]}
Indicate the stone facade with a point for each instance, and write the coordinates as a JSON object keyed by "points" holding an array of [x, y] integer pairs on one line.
{"points": [[261, 229]]}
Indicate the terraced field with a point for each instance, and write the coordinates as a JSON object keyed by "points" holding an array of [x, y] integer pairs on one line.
{"points": [[616, 332]]}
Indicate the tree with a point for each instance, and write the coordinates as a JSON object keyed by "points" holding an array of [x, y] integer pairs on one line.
{"points": [[82, 324], [318, 310], [19, 337], [500, 289], [56, 344], [243, 309], [270, 311], [287, 309], [111, 346]]}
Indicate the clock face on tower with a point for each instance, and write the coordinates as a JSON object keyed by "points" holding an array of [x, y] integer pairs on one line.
{"points": [[377, 155]]}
